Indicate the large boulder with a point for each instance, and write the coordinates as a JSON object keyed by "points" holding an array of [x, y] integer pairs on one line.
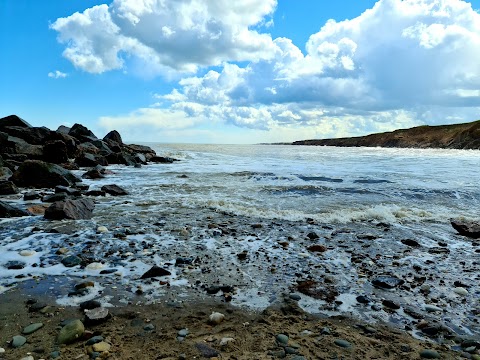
{"points": [[103, 148], [62, 129], [121, 158], [7, 211], [70, 142], [467, 228], [39, 174], [114, 190], [7, 187], [5, 173], [32, 135], [114, 135], [90, 160], [70, 209], [55, 152], [13, 120], [20, 146], [81, 133]]}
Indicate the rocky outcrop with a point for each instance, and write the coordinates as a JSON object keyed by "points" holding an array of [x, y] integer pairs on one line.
{"points": [[467, 228], [39, 174], [114, 190], [70, 209], [458, 136], [7, 211]]}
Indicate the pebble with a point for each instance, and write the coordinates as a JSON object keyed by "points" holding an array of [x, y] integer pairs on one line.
{"points": [[343, 343], [94, 340], [216, 318], [71, 332], [18, 341], [429, 354], [71, 261], [29, 357], [2, 350], [54, 354], [295, 297], [226, 340], [101, 346], [96, 315], [27, 252], [102, 229], [432, 308], [32, 328], [95, 266], [206, 350], [183, 332], [149, 327], [282, 339], [460, 291]]}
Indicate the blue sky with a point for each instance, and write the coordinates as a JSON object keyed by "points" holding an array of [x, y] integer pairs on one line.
{"points": [[256, 71]]}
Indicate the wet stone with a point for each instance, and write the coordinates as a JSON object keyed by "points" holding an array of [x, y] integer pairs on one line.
{"points": [[282, 339], [71, 261], [14, 265], [18, 341], [429, 354], [206, 350], [94, 340], [343, 343], [32, 328], [387, 282]]}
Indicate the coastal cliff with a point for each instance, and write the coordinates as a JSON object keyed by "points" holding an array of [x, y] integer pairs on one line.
{"points": [[458, 136]]}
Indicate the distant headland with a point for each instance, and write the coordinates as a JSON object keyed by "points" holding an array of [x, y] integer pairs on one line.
{"points": [[457, 136]]}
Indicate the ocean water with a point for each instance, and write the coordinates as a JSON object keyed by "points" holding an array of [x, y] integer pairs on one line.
{"points": [[264, 201]]}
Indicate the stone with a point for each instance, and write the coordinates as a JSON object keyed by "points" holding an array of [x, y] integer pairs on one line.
{"points": [[343, 343], [7, 188], [74, 209], [216, 318], [51, 198], [71, 332], [31, 195], [93, 174], [31, 135], [81, 133], [90, 160], [90, 304], [114, 135], [390, 304], [410, 242], [8, 211], [432, 308], [18, 341], [460, 291], [102, 346], [363, 299], [282, 339], [96, 315], [27, 252], [114, 190], [14, 265], [71, 261], [32, 328], [55, 152], [183, 332], [94, 340], [5, 173], [13, 120], [29, 357], [154, 272], [60, 189], [467, 228], [206, 351], [39, 174], [162, 160], [317, 248], [429, 354], [387, 282]]}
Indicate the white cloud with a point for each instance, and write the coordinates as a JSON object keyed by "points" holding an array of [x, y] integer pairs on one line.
{"points": [[57, 74], [165, 36]]}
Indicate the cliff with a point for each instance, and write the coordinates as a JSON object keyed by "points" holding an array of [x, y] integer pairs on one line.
{"points": [[458, 136]]}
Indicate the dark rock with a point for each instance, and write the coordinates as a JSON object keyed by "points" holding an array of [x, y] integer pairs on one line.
{"points": [[15, 265], [312, 236], [387, 282], [20, 146], [206, 351], [317, 248], [62, 129], [13, 120], [31, 195], [32, 135], [67, 190], [140, 158], [410, 242], [40, 174], [70, 209], [467, 228], [93, 174], [429, 354], [70, 142], [71, 261], [390, 304], [7, 188], [120, 158], [184, 261], [96, 193], [81, 133], [317, 290], [363, 299], [155, 271], [343, 343], [89, 305], [162, 160], [55, 197], [114, 135], [90, 160], [103, 148], [114, 190], [96, 316], [55, 152], [8, 211]]}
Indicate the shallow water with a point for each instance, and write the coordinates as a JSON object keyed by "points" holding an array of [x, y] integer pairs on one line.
{"points": [[360, 202]]}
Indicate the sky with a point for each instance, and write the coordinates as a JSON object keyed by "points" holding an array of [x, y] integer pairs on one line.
{"points": [[246, 71]]}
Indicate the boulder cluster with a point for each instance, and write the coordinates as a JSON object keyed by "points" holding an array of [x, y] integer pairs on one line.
{"points": [[40, 158]]}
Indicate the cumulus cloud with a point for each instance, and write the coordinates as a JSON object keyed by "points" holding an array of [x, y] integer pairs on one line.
{"points": [[57, 74], [165, 36]]}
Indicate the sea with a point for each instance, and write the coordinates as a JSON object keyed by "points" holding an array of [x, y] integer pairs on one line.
{"points": [[238, 222]]}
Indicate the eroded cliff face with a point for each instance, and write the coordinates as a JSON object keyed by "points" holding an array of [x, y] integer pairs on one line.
{"points": [[458, 136]]}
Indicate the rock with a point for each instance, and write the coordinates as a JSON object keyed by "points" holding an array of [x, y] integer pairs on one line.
{"points": [[282, 339], [206, 351], [97, 315], [155, 271], [183, 332], [90, 160], [216, 318], [20, 146], [317, 248], [70, 209], [5, 173], [312, 236], [13, 120], [140, 158], [102, 346], [429, 354], [71, 261], [14, 265], [51, 198], [114, 135], [162, 160], [225, 341], [343, 343], [31, 195], [71, 332], [460, 291], [27, 252], [295, 297], [387, 282], [90, 304], [7, 188], [432, 308], [81, 133], [29, 357], [8, 211], [95, 193], [114, 190], [94, 340], [18, 341], [390, 304], [102, 230], [93, 174], [39, 174], [410, 242], [67, 190], [31, 135], [467, 228], [55, 152], [32, 328], [363, 299]]}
